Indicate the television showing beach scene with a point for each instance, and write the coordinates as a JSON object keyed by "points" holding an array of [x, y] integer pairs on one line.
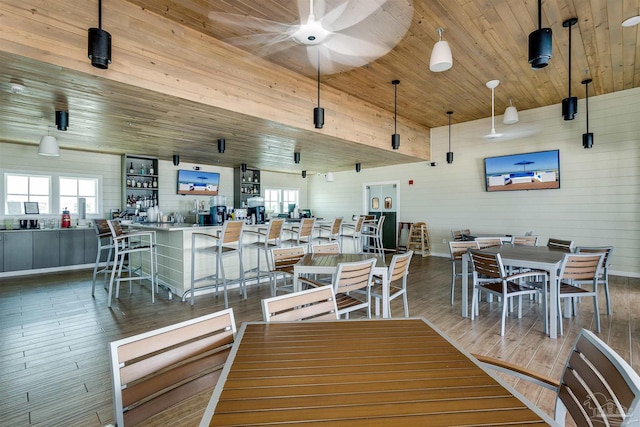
{"points": [[527, 171], [198, 183]]}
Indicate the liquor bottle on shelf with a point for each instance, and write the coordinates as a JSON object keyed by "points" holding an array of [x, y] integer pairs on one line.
{"points": [[131, 168], [151, 170], [141, 169], [155, 183]]}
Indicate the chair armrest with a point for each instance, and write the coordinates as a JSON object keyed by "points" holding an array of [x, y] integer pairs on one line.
{"points": [[311, 283], [530, 273], [517, 371], [199, 234]]}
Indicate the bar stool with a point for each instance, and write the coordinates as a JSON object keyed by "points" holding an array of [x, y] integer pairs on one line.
{"points": [[333, 231], [105, 243], [125, 245], [228, 242], [302, 235], [372, 232], [355, 235], [268, 239]]}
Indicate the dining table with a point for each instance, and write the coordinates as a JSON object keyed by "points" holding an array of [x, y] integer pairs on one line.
{"points": [[364, 372], [520, 256], [326, 264]]}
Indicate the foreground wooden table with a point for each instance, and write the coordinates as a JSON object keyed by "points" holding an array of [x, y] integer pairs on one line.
{"points": [[359, 373]]}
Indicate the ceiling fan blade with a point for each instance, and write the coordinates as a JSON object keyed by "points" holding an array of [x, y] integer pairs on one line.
{"points": [[350, 13], [353, 46], [262, 44], [251, 23]]}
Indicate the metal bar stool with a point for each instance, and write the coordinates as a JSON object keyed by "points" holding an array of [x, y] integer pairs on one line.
{"points": [[302, 234], [125, 245], [105, 243], [268, 239], [228, 242]]}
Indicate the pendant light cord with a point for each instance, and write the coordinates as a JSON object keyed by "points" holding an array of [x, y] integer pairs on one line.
{"points": [[100, 14], [449, 113], [539, 14], [570, 25], [586, 104], [395, 107], [318, 77]]}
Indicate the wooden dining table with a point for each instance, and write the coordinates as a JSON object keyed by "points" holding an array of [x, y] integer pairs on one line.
{"points": [[533, 257], [368, 372], [327, 264]]}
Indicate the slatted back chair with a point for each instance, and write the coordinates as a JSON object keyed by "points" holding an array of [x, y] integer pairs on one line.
{"points": [[372, 234], [156, 370], [397, 281], [333, 231], [598, 387], [105, 243], [355, 235], [456, 235], [563, 245], [328, 248], [267, 239], [456, 250], [311, 304], [603, 278], [282, 262], [465, 233], [488, 242], [302, 234], [524, 240]]}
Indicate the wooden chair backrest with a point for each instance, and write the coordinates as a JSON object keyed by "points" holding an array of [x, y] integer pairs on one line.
{"points": [[351, 276], [275, 229], [399, 266], [115, 228], [457, 235], [524, 240], [598, 385], [486, 265], [580, 266], [306, 228], [286, 257], [487, 242], [232, 232], [359, 222], [457, 249], [606, 250], [328, 248], [102, 227], [155, 370], [336, 226], [564, 245], [312, 304]]}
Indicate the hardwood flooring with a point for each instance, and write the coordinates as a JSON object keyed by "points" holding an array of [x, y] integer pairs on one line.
{"points": [[54, 362]]}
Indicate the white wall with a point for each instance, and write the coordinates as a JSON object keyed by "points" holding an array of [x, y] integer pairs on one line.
{"points": [[597, 204]]}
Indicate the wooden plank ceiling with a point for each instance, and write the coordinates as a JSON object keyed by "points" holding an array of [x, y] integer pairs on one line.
{"points": [[488, 38]]}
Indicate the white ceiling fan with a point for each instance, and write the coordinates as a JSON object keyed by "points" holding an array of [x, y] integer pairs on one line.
{"points": [[342, 34], [521, 131]]}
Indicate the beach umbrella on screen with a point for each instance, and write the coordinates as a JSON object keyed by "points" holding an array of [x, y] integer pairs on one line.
{"points": [[524, 164]]}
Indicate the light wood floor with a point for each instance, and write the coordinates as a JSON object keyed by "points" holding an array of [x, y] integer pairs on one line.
{"points": [[54, 364]]}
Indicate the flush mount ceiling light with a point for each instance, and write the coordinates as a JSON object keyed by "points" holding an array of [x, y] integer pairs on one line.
{"points": [[62, 120], [570, 103], [449, 153], [296, 157], [48, 146], [587, 138], [492, 84], [540, 44], [17, 88], [395, 138], [99, 44], [632, 21], [221, 145], [441, 58], [510, 115], [358, 167], [318, 112]]}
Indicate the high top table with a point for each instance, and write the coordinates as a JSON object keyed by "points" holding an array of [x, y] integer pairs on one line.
{"points": [[533, 257], [391, 372]]}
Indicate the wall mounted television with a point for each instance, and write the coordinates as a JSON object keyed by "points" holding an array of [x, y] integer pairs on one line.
{"points": [[198, 183], [527, 171]]}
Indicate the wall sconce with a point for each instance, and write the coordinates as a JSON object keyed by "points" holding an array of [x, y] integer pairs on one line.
{"points": [[62, 120], [358, 167], [221, 145], [296, 157], [243, 167]]}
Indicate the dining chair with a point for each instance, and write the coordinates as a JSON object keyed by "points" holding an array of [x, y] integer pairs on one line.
{"points": [[333, 231], [157, 370], [457, 249], [301, 234], [267, 239], [396, 280], [282, 262], [351, 280], [488, 242], [228, 242], [354, 235], [489, 275], [597, 387], [141, 242], [327, 248], [563, 245], [603, 278], [524, 240], [105, 243], [456, 235], [465, 233], [577, 270], [372, 234], [310, 304]]}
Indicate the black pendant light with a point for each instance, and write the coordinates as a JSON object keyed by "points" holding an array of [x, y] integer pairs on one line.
{"points": [[176, 159], [587, 138], [570, 103], [540, 44], [99, 44], [62, 120], [358, 167], [296, 157], [221, 145], [304, 174], [449, 153], [318, 112], [243, 167], [395, 138]]}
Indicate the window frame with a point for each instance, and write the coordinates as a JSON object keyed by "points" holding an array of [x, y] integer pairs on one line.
{"points": [[281, 203]]}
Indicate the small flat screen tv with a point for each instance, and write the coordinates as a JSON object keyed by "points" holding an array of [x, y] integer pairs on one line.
{"points": [[198, 183], [527, 171]]}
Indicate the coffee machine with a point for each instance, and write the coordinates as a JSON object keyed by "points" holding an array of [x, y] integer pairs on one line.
{"points": [[218, 210], [258, 212]]}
